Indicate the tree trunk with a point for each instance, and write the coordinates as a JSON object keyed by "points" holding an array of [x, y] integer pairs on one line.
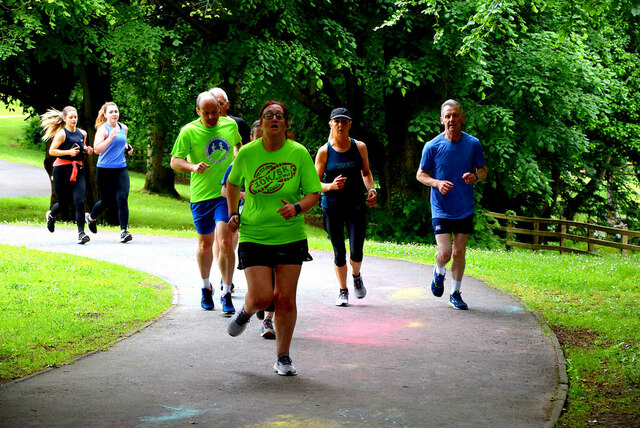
{"points": [[160, 178], [96, 90]]}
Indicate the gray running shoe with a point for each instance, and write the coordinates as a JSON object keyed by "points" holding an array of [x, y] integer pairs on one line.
{"points": [[125, 237], [343, 298], [83, 238], [284, 366], [91, 224], [51, 222], [238, 323], [358, 287]]}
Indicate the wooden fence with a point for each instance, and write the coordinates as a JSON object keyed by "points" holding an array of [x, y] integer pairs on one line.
{"points": [[592, 234]]}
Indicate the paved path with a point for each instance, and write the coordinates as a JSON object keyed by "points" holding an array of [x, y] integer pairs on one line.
{"points": [[399, 357], [23, 180]]}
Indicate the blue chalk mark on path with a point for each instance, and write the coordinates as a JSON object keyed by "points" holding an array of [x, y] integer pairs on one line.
{"points": [[177, 413]]}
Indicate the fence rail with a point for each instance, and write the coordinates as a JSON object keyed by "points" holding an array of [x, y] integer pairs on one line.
{"points": [[592, 235]]}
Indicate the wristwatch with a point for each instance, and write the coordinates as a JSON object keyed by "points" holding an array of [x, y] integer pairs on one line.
{"points": [[298, 208]]}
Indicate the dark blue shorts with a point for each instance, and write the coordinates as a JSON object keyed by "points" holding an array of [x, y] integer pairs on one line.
{"points": [[206, 214], [453, 225]]}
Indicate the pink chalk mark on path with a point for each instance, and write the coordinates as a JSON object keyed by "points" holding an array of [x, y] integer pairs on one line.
{"points": [[388, 332]]}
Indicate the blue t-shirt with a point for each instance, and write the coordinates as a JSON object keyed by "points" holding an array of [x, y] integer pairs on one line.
{"points": [[446, 160], [224, 183], [113, 156]]}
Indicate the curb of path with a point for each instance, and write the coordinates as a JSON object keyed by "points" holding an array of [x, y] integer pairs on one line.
{"points": [[561, 364]]}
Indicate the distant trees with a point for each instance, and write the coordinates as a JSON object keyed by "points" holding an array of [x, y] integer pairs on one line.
{"points": [[550, 88]]}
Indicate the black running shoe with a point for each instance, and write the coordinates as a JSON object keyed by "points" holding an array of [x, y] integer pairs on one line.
{"points": [[125, 237], [51, 222], [91, 224]]}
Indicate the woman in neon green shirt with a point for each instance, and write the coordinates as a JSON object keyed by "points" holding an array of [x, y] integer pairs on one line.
{"points": [[280, 183]]}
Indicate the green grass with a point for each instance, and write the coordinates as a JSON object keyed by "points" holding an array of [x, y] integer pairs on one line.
{"points": [[590, 302], [56, 307]]}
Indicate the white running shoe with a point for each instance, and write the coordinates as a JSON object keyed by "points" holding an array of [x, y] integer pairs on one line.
{"points": [[343, 298], [284, 366]]}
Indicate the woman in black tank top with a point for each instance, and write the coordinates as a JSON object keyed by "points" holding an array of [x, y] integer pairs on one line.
{"points": [[68, 146], [347, 185]]}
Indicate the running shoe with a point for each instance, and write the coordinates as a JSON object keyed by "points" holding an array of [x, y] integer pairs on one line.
{"points": [[91, 224], [260, 314], [238, 323], [268, 332], [125, 237], [343, 298], [227, 305], [233, 287], [358, 287], [83, 238], [456, 301], [284, 366], [51, 222], [437, 284], [207, 299]]}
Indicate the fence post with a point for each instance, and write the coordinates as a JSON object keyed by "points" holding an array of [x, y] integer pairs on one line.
{"points": [[625, 239], [536, 237], [563, 231], [590, 246], [510, 235]]}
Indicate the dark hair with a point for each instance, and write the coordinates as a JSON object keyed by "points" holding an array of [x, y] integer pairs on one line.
{"points": [[284, 110], [289, 133]]}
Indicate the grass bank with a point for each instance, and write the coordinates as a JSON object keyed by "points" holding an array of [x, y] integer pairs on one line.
{"points": [[57, 307]]}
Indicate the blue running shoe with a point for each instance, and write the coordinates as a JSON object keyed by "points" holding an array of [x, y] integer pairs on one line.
{"points": [[227, 305], [437, 284], [207, 299], [456, 301]]}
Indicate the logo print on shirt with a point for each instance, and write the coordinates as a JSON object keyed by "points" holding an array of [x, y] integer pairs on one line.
{"points": [[270, 177], [218, 150]]}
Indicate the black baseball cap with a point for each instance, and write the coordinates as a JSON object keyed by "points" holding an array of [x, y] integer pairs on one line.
{"points": [[340, 112]]}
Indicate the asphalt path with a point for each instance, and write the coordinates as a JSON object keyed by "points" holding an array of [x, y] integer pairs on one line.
{"points": [[400, 357]]}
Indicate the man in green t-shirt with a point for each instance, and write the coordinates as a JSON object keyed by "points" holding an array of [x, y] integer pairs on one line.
{"points": [[205, 148]]}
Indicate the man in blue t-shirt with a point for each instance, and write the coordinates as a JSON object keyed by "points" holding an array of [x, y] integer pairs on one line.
{"points": [[451, 163]]}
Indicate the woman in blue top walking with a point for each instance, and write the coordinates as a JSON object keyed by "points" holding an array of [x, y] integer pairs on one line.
{"points": [[113, 178], [347, 187]]}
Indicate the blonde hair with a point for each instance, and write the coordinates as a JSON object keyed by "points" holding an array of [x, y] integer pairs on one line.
{"points": [[53, 121], [103, 111]]}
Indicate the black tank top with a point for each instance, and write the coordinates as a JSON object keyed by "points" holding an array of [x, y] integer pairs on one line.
{"points": [[349, 164], [71, 139]]}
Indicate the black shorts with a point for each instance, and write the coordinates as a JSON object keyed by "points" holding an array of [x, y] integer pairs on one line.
{"points": [[252, 254], [453, 225]]}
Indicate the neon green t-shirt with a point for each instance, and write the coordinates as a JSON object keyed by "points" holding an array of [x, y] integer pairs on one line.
{"points": [[287, 173], [214, 146]]}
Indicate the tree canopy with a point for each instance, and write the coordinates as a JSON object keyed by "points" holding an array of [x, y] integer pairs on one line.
{"points": [[549, 87]]}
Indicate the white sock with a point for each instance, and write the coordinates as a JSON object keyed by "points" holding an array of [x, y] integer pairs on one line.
{"points": [[455, 285], [206, 283], [441, 270], [226, 289]]}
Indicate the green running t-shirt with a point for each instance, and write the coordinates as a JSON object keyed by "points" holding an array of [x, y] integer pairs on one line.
{"points": [[289, 174], [214, 146]]}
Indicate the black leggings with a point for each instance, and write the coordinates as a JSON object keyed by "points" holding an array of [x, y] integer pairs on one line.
{"points": [[69, 192], [113, 184], [354, 218]]}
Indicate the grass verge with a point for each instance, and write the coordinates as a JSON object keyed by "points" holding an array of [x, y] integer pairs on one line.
{"points": [[56, 307]]}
